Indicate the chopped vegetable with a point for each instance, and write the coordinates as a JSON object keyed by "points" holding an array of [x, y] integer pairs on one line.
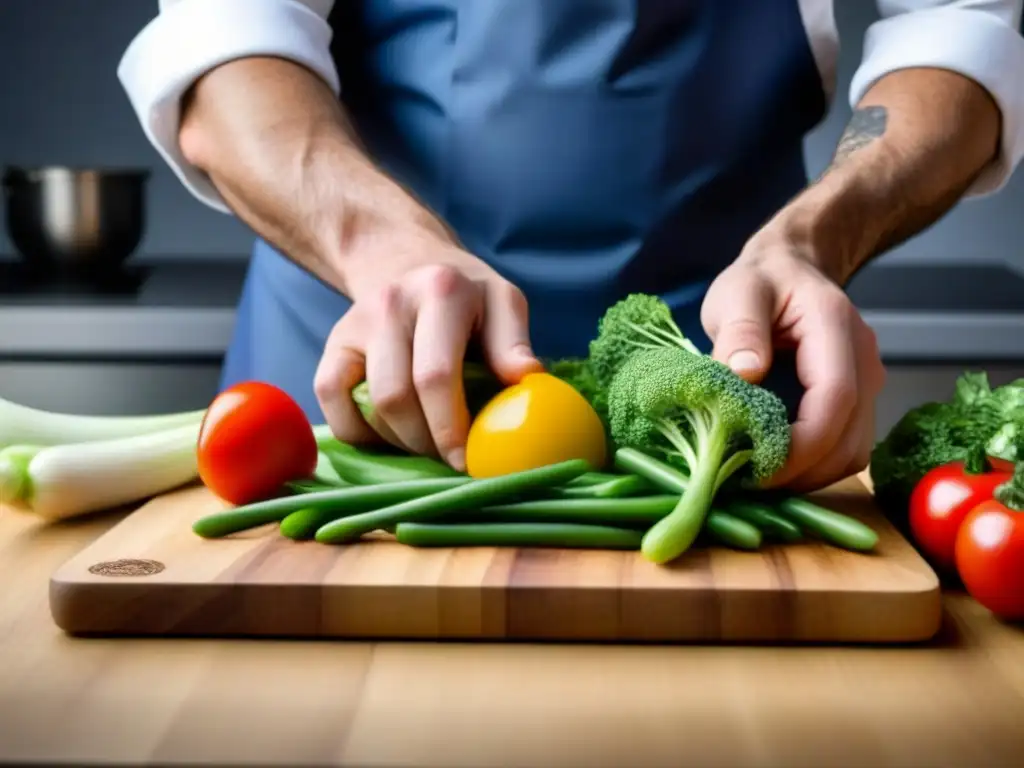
{"points": [[542, 420], [562, 535], [24, 425], [944, 496], [473, 495], [254, 439], [696, 412], [333, 503], [62, 481], [989, 550]]}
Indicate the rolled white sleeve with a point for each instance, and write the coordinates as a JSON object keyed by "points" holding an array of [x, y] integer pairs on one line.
{"points": [[976, 38], [190, 37]]}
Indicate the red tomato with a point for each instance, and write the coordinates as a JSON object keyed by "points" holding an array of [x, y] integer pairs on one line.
{"points": [[254, 438], [941, 501], [990, 558]]}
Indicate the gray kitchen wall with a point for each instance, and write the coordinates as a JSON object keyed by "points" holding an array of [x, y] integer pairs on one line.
{"points": [[60, 102]]}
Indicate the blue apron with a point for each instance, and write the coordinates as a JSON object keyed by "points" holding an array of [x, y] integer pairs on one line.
{"points": [[584, 148]]}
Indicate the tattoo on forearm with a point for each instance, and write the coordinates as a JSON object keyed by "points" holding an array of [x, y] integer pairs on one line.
{"points": [[866, 125]]}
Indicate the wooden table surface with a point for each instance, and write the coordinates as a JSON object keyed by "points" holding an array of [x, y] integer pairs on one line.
{"points": [[957, 702]]}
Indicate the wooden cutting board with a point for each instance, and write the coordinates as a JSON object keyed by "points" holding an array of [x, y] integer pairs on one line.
{"points": [[151, 575]]}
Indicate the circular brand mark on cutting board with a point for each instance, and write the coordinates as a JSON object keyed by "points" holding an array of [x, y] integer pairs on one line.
{"points": [[127, 568]]}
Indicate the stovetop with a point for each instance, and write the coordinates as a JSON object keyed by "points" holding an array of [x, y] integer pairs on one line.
{"points": [[216, 282], [213, 282], [16, 279]]}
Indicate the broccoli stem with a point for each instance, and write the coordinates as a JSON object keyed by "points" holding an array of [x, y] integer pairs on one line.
{"points": [[660, 337], [675, 533]]}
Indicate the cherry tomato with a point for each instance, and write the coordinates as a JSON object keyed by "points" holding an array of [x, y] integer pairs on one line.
{"points": [[941, 501], [539, 421], [253, 439], [990, 558]]}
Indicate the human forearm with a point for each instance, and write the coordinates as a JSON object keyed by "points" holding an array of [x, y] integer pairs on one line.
{"points": [[916, 142], [276, 144]]}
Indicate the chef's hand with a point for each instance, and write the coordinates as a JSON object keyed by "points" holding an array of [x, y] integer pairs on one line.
{"points": [[773, 297], [406, 334]]}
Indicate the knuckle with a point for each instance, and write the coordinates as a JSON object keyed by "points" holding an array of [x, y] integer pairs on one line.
{"points": [[441, 280], [327, 379], [835, 303], [388, 301], [391, 399], [745, 328], [324, 384], [434, 376]]}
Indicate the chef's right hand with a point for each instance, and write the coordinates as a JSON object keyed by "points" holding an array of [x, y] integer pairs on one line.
{"points": [[407, 336]]}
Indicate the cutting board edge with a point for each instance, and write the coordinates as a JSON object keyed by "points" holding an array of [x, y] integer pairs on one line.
{"points": [[918, 622]]}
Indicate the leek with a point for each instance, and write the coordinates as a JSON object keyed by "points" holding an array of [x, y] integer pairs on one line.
{"points": [[24, 425], [57, 482]]}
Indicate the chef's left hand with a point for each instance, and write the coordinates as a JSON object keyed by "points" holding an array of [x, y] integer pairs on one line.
{"points": [[773, 297]]}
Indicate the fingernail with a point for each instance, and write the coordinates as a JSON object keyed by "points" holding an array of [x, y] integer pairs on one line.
{"points": [[744, 360], [523, 351], [457, 460]]}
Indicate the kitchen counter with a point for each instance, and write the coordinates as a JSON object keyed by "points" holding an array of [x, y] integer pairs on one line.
{"points": [[958, 701], [186, 309]]}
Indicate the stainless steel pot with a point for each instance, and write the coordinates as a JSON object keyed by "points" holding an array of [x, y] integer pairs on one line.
{"points": [[85, 221]]}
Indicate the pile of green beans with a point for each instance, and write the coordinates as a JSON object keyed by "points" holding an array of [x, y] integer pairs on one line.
{"points": [[425, 503]]}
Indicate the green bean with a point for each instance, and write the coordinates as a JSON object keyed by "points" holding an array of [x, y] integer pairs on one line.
{"points": [[474, 495], [833, 527], [371, 467], [637, 512], [619, 487], [339, 500], [657, 472], [766, 519], [311, 486], [560, 535], [593, 478], [732, 531], [303, 523]]}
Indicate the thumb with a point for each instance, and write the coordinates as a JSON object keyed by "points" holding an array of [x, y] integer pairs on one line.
{"points": [[742, 330], [506, 333]]}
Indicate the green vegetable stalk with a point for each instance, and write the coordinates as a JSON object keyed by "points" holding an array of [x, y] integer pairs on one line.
{"points": [[696, 411]]}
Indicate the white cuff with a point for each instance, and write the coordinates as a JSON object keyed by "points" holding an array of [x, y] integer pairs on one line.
{"points": [[973, 43], [191, 37]]}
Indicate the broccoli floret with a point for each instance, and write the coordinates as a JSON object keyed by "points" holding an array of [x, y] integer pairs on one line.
{"points": [[695, 411], [638, 322], [937, 433]]}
